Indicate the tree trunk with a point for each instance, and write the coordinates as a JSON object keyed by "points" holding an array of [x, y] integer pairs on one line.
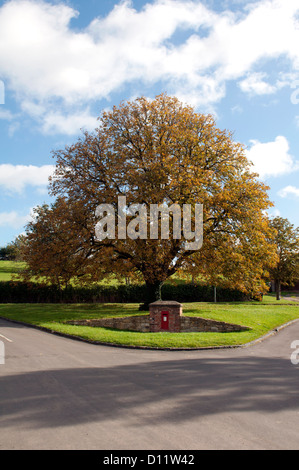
{"points": [[278, 290], [153, 293]]}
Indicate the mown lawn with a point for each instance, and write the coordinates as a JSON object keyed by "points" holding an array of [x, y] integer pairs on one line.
{"points": [[261, 317]]}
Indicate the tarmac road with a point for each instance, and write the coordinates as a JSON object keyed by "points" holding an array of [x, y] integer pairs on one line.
{"points": [[58, 393]]}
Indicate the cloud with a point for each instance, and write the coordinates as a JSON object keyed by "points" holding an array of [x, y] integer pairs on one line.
{"points": [[289, 191], [51, 67], [272, 158], [14, 178], [255, 84], [6, 115], [54, 122], [14, 220], [44, 57], [274, 213]]}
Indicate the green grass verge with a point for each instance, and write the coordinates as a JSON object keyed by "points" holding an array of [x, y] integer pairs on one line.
{"points": [[261, 317]]}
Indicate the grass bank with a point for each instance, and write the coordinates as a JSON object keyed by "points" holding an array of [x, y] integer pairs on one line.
{"points": [[261, 317]]}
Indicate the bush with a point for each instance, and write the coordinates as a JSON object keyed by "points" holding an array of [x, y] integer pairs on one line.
{"points": [[30, 292], [27, 292], [200, 293]]}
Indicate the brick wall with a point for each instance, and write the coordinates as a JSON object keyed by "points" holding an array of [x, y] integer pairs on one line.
{"points": [[174, 312]]}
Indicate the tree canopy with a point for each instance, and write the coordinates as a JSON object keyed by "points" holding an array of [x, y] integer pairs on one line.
{"points": [[286, 239], [160, 152], [13, 250]]}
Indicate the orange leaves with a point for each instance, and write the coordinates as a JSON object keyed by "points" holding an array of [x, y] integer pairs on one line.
{"points": [[162, 151], [285, 238]]}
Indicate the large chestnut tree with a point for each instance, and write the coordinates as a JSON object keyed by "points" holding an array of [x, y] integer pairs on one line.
{"points": [[160, 152]]}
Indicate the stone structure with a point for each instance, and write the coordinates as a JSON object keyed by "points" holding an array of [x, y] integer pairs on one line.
{"points": [[165, 316], [196, 324], [132, 323]]}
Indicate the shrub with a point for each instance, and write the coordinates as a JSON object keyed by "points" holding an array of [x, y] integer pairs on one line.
{"points": [[30, 292]]}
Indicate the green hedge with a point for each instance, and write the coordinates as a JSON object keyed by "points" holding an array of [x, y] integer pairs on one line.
{"points": [[29, 292]]}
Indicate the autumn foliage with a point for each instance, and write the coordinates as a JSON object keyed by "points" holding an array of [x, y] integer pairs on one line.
{"points": [[155, 151], [286, 239]]}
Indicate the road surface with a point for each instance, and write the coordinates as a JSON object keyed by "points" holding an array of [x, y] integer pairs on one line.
{"points": [[59, 393]]}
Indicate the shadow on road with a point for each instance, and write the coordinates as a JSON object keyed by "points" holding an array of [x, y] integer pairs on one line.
{"points": [[166, 391]]}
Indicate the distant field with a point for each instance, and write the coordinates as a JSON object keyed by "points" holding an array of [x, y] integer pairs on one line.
{"points": [[8, 268]]}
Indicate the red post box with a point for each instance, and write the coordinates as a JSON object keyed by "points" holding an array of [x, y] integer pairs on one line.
{"points": [[164, 320], [165, 315]]}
